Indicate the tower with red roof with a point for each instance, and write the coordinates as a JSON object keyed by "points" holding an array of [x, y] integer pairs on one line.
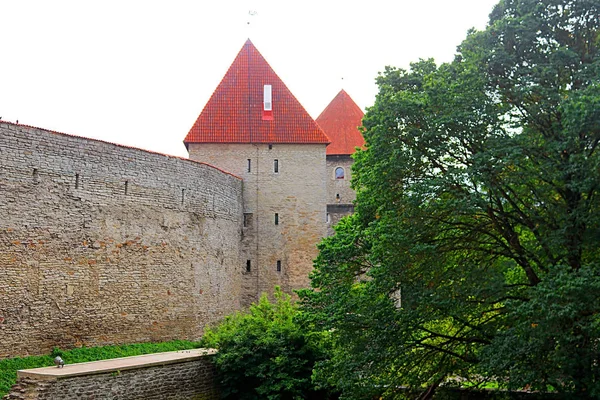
{"points": [[254, 127], [340, 121]]}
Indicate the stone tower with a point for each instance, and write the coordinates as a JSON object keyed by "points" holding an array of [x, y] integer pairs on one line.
{"points": [[340, 121], [254, 127]]}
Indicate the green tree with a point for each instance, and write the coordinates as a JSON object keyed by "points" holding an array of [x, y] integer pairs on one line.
{"points": [[473, 251], [266, 353]]}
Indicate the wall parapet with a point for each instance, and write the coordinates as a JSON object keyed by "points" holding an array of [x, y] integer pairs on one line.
{"points": [[104, 172], [181, 375]]}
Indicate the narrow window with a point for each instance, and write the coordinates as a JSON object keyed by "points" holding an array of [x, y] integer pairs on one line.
{"points": [[248, 266], [278, 265], [276, 166], [339, 173], [267, 98], [182, 196], [337, 197], [247, 220], [36, 176], [276, 219], [249, 165], [267, 103], [328, 218], [270, 147], [76, 181], [126, 188]]}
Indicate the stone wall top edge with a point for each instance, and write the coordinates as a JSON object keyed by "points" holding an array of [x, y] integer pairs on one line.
{"points": [[115, 364], [270, 142], [340, 208], [33, 129], [339, 157], [255, 144]]}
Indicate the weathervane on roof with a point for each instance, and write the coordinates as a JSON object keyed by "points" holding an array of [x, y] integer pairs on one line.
{"points": [[252, 13]]}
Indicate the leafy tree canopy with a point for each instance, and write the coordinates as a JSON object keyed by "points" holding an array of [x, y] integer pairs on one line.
{"points": [[473, 251]]}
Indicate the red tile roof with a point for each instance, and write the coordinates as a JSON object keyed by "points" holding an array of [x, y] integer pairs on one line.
{"points": [[234, 113], [340, 121]]}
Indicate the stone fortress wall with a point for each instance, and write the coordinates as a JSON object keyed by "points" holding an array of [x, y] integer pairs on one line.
{"points": [[340, 196], [284, 209], [104, 244]]}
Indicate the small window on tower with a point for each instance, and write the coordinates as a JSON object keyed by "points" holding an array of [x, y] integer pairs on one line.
{"points": [[267, 90], [247, 220], [249, 165], [248, 266], [267, 103], [278, 265], [339, 173], [276, 166], [276, 219]]}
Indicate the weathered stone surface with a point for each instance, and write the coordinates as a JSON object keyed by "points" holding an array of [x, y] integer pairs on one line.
{"points": [[296, 193], [340, 196], [103, 244], [191, 378]]}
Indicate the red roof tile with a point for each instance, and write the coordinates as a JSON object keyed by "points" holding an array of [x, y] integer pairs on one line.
{"points": [[234, 113], [340, 121]]}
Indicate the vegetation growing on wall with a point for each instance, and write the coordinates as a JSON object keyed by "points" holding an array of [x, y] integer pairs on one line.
{"points": [[473, 253]]}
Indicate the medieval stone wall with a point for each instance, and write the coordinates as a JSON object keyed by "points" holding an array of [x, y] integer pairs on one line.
{"points": [[296, 192], [339, 187], [340, 196], [103, 244]]}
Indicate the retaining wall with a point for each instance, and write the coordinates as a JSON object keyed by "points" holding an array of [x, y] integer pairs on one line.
{"points": [[184, 375]]}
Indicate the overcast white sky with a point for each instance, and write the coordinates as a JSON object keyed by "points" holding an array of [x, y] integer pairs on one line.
{"points": [[139, 72]]}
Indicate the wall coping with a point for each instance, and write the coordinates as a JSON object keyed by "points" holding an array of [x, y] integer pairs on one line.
{"points": [[114, 364], [35, 129]]}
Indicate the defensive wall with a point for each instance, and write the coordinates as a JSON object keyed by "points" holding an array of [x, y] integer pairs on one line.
{"points": [[340, 195], [182, 375], [284, 206], [104, 244]]}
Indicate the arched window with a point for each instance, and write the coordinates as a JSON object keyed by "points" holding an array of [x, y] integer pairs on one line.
{"points": [[339, 173]]}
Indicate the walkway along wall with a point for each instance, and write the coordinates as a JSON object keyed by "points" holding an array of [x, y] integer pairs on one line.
{"points": [[184, 375], [104, 244]]}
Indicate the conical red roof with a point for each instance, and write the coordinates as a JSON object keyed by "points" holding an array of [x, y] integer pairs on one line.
{"points": [[234, 113], [340, 121]]}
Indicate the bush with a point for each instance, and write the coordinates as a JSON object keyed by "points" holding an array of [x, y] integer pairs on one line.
{"points": [[266, 353]]}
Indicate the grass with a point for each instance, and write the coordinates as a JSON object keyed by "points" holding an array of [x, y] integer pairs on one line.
{"points": [[10, 366]]}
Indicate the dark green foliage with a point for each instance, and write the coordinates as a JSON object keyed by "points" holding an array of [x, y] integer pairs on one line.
{"points": [[266, 353], [467, 394], [473, 251], [10, 366]]}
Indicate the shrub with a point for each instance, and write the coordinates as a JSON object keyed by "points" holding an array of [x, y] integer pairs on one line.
{"points": [[266, 353]]}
